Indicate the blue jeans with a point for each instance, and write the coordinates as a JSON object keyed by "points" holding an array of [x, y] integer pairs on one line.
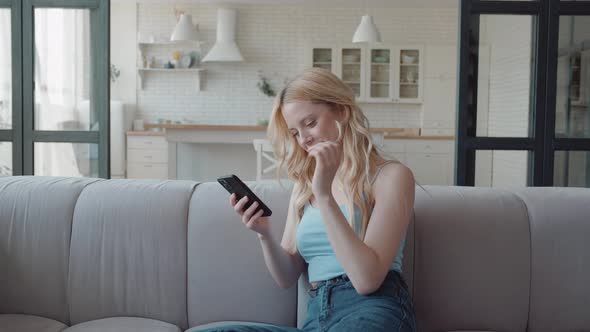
{"points": [[335, 306]]}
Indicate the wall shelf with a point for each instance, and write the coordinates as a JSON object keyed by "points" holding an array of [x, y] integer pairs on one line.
{"points": [[199, 72]]}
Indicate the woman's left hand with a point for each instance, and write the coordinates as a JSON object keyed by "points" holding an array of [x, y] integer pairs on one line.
{"points": [[328, 157]]}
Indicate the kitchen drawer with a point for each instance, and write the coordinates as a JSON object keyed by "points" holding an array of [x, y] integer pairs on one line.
{"points": [[156, 171], [430, 168], [146, 142], [147, 155], [429, 146], [393, 146]]}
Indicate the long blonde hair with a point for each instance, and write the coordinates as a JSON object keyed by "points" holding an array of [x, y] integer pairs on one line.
{"points": [[318, 85]]}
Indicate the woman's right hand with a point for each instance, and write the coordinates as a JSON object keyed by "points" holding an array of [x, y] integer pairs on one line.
{"points": [[253, 221]]}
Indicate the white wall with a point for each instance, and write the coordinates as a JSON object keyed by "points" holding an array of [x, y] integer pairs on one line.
{"points": [[124, 51], [274, 39]]}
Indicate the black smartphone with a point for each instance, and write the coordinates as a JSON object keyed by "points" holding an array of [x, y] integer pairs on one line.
{"points": [[234, 185]]}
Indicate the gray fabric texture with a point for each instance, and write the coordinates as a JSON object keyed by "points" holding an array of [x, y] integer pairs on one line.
{"points": [[472, 260], [228, 279], [134, 255], [28, 323], [560, 281], [124, 324], [128, 251], [35, 225]]}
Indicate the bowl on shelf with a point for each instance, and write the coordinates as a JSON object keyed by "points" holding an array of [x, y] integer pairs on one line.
{"points": [[408, 59], [350, 58], [380, 59]]}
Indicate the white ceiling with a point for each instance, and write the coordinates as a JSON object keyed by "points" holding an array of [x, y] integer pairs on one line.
{"points": [[314, 3]]}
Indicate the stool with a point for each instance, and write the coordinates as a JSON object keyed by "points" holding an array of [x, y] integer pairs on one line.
{"points": [[264, 150]]}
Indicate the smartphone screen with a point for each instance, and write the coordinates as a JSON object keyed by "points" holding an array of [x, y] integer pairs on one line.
{"points": [[234, 185]]}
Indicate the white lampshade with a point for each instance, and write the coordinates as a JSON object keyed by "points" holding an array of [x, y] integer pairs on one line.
{"points": [[367, 31], [185, 30]]}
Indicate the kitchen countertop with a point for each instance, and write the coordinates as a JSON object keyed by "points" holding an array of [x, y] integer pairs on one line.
{"points": [[389, 133], [146, 133]]}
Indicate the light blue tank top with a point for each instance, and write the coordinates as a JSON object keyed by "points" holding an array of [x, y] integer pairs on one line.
{"points": [[316, 250]]}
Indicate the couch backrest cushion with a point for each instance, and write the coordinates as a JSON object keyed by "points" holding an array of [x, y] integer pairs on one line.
{"points": [[560, 280], [128, 251], [472, 260], [35, 225], [227, 276]]}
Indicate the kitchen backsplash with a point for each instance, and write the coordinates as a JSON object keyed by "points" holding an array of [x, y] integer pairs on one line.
{"points": [[274, 40]]}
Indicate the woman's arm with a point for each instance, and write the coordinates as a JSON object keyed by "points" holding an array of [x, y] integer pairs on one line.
{"points": [[284, 267], [367, 262]]}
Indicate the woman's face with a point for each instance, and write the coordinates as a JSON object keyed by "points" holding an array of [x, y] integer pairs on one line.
{"points": [[310, 123]]}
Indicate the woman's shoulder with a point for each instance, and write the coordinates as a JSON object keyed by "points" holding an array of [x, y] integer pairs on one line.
{"points": [[392, 175], [391, 170]]}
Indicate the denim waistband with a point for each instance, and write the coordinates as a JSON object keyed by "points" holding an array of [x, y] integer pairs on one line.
{"points": [[341, 279]]}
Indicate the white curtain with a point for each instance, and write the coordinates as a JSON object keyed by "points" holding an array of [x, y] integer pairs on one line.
{"points": [[5, 90], [61, 75]]}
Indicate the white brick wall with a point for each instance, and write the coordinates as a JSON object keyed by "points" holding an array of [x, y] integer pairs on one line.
{"points": [[274, 39]]}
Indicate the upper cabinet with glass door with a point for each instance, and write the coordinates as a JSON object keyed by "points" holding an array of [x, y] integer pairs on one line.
{"points": [[351, 69], [395, 74], [323, 57], [410, 74], [380, 75], [375, 74]]}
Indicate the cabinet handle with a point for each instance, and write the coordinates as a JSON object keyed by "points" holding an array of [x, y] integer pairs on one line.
{"points": [[147, 157], [147, 166], [148, 142]]}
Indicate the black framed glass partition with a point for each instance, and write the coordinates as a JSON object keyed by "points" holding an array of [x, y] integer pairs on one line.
{"points": [[54, 87], [522, 116]]}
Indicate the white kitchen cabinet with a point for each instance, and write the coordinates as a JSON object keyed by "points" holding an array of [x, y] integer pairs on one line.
{"points": [[388, 74], [431, 161], [147, 157], [430, 168]]}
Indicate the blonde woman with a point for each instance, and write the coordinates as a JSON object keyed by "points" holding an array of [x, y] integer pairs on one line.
{"points": [[348, 212]]}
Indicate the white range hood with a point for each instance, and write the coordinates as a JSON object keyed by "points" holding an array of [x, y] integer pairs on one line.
{"points": [[225, 48]]}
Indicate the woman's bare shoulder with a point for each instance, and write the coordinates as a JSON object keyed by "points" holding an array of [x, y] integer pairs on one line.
{"points": [[393, 174]]}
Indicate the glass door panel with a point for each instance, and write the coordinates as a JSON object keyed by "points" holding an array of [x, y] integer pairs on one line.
{"points": [[5, 70], [322, 58], [352, 69], [380, 70], [76, 159], [5, 158], [572, 100], [6, 165], [409, 73], [504, 76], [571, 169], [62, 70]]}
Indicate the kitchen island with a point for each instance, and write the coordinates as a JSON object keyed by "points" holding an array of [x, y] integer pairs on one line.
{"points": [[203, 152]]}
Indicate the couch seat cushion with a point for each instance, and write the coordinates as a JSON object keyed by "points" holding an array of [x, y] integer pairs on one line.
{"points": [[124, 324], [29, 323], [224, 323]]}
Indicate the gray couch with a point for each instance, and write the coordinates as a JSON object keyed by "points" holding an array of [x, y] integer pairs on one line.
{"points": [[81, 255]]}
